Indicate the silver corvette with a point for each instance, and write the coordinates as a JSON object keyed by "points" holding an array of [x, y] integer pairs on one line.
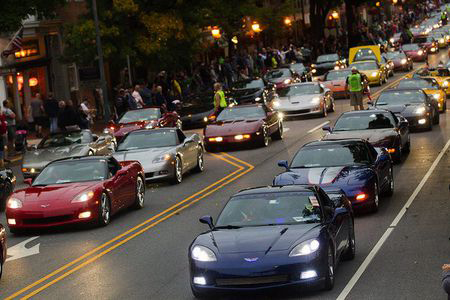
{"points": [[63, 145], [304, 99], [164, 153]]}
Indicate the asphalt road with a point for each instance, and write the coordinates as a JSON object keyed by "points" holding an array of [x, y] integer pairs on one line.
{"points": [[143, 254]]}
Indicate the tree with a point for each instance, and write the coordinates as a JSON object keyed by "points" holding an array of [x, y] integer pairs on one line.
{"points": [[13, 12]]}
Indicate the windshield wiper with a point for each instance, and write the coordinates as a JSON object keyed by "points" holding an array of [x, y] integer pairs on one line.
{"points": [[228, 227]]}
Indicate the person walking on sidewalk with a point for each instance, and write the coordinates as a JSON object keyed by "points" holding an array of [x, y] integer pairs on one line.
{"points": [[3, 131], [10, 117], [51, 109], [37, 112], [354, 84]]}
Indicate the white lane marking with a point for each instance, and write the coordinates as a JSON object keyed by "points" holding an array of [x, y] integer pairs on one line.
{"points": [[391, 228], [20, 251], [318, 127]]}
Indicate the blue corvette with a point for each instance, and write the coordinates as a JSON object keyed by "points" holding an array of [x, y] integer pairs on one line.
{"points": [[353, 165], [271, 237]]}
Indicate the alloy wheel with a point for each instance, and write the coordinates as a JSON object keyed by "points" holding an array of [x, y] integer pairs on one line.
{"points": [[376, 198], [105, 209], [265, 137], [140, 192], [178, 170], [200, 162]]}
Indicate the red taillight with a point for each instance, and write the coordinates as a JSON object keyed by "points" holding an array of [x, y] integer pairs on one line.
{"points": [[361, 197]]}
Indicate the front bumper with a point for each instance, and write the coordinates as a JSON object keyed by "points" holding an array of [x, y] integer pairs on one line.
{"points": [[302, 110], [418, 122], [159, 171], [231, 140]]}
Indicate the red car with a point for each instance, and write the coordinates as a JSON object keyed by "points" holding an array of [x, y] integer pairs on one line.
{"points": [[415, 52], [335, 81], [243, 124], [2, 248], [401, 60], [427, 42], [77, 190], [151, 117]]}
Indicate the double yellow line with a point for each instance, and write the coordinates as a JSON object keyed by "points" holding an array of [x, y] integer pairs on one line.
{"points": [[94, 254]]}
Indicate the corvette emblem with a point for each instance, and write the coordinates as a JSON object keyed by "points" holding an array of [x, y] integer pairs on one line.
{"points": [[45, 205], [251, 259]]}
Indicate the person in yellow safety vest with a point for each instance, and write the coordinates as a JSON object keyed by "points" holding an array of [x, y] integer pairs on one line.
{"points": [[354, 84], [219, 99], [444, 18]]}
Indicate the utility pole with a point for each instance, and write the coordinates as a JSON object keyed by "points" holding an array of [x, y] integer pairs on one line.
{"points": [[106, 108]]}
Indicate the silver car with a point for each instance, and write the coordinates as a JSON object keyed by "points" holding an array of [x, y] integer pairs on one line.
{"points": [[304, 99], [164, 153], [64, 145]]}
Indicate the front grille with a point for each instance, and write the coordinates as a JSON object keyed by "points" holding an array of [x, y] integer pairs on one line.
{"points": [[251, 281], [48, 220], [294, 112], [149, 174]]}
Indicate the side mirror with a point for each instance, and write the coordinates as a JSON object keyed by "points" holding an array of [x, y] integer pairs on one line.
{"points": [[339, 211], [95, 137], [327, 128], [207, 220], [28, 181], [283, 164]]}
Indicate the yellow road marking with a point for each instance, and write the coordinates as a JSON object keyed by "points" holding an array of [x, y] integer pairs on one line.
{"points": [[209, 190]]}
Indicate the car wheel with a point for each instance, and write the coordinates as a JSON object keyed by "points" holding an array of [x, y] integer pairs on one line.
{"points": [[265, 138], [210, 148], [390, 189], [349, 254], [140, 193], [329, 277], [200, 162], [177, 171], [380, 82], [407, 147], [436, 118], [324, 110], [104, 211], [6, 192], [278, 135], [376, 199]]}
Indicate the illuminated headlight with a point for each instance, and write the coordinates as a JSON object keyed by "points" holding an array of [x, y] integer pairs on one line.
{"points": [[216, 139], [287, 81], [14, 203], [445, 84], [436, 96], [315, 100], [305, 248], [420, 111], [83, 197], [433, 49], [422, 121], [257, 99], [374, 74], [162, 158], [308, 274], [441, 41], [202, 253], [314, 70], [84, 215], [313, 66], [276, 103], [336, 67], [280, 115], [200, 280], [241, 137], [32, 170], [391, 40], [205, 119], [420, 52], [404, 61]]}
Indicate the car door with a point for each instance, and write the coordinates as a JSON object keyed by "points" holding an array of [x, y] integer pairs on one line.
{"points": [[336, 227], [402, 126], [381, 165], [188, 150], [271, 120], [122, 185]]}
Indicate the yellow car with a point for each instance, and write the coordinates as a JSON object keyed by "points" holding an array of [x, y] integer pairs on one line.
{"points": [[367, 59], [442, 76], [430, 86]]}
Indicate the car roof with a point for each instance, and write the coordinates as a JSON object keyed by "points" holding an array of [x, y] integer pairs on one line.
{"points": [[277, 189], [334, 142], [357, 112]]}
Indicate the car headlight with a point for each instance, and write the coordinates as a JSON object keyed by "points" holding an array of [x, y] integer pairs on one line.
{"points": [[14, 203], [305, 248], [315, 100], [433, 49], [420, 111], [445, 84], [205, 119], [441, 41], [436, 96], [404, 61], [420, 52], [314, 70], [162, 158], [391, 40], [287, 81], [83, 197], [202, 253], [276, 103], [257, 99], [313, 66], [374, 74], [336, 67]]}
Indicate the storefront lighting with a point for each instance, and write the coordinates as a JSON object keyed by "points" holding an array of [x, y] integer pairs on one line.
{"points": [[256, 27], [335, 15], [215, 32], [287, 21], [33, 81]]}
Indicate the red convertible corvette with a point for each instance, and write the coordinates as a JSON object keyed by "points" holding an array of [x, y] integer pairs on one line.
{"points": [[149, 118], [77, 190], [2, 248], [252, 123]]}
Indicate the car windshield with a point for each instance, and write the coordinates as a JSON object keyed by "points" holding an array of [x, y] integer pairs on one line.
{"points": [[72, 171], [66, 139], [327, 58], [395, 55], [299, 68], [363, 121], [419, 83], [331, 156], [278, 73], [365, 66], [401, 98], [337, 75], [364, 54], [423, 39], [301, 89], [140, 115], [264, 209], [148, 139], [242, 113], [249, 84], [411, 47]]}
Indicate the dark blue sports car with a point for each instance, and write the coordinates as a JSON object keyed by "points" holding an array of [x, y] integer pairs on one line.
{"points": [[353, 165], [273, 237]]}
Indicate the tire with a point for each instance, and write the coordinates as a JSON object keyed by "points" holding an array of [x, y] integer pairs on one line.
{"points": [[407, 147], [6, 193], [278, 135], [390, 190], [436, 117], [349, 254], [329, 277], [104, 210], [376, 200], [264, 141], [178, 171], [380, 82], [1, 263], [324, 110], [140, 193], [210, 148], [200, 162], [430, 123]]}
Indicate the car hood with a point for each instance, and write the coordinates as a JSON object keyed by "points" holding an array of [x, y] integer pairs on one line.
{"points": [[41, 157], [124, 128], [332, 83], [404, 110], [278, 80], [326, 65], [141, 155], [256, 239], [295, 101], [374, 136], [228, 128]]}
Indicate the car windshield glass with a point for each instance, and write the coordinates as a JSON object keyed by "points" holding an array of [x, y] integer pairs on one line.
{"points": [[302, 89], [401, 98], [299, 68], [242, 113], [278, 73], [139, 115], [395, 55], [337, 75], [327, 58], [66, 139], [249, 84], [419, 83], [365, 54], [331, 156], [148, 139], [363, 121], [366, 66], [422, 39], [264, 209], [410, 47], [72, 171]]}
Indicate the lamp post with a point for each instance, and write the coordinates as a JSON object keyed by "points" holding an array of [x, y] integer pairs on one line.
{"points": [[215, 32]]}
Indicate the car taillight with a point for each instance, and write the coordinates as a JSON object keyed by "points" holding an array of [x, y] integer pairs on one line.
{"points": [[361, 197]]}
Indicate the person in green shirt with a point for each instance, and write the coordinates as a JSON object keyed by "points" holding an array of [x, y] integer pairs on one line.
{"points": [[354, 84]]}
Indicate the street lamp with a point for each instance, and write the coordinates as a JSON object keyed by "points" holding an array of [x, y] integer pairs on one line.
{"points": [[287, 21], [335, 15], [255, 27], [215, 32], [394, 1]]}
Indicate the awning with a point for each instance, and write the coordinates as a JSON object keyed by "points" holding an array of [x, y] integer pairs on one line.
{"points": [[17, 67]]}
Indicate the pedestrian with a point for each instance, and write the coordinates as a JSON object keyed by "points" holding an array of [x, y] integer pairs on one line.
{"points": [[219, 99], [131, 102], [37, 112], [121, 103], [137, 97], [160, 100], [68, 118], [3, 132], [176, 89], [146, 94], [87, 114], [446, 279], [354, 84], [10, 117], [51, 109]]}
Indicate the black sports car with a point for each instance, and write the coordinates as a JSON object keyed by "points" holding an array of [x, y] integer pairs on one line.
{"points": [[325, 63], [7, 184], [270, 237], [195, 110], [249, 91]]}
